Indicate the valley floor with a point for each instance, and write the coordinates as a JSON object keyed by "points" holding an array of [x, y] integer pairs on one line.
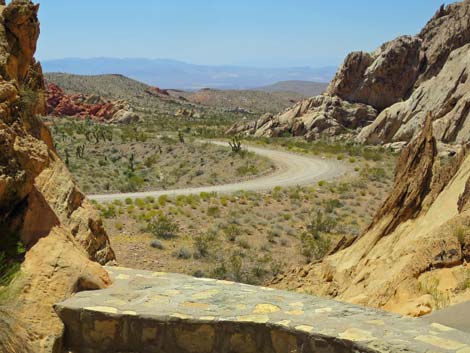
{"points": [[249, 236]]}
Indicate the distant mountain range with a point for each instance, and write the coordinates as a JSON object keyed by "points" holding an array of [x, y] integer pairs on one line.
{"points": [[180, 75], [306, 88]]}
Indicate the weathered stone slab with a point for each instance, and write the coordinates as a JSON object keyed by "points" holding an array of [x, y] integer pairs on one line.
{"points": [[170, 313]]}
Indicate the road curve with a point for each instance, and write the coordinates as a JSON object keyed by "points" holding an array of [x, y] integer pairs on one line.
{"points": [[292, 169]]}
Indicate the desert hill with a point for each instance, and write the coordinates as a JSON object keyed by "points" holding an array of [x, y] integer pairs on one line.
{"points": [[383, 96], [144, 98], [243, 101]]}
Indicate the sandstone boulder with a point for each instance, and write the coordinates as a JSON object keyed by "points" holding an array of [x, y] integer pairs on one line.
{"points": [[125, 117], [381, 78]]}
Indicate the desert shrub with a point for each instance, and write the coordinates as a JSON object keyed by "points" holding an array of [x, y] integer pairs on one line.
{"points": [[373, 173], [220, 272], [243, 243], [205, 196], [150, 199], [182, 253], [461, 233], [332, 204], [109, 211], [232, 231], [441, 299], [162, 200], [314, 247], [8, 269], [11, 255], [119, 226], [213, 211], [199, 274], [321, 222], [163, 227], [236, 267], [134, 183], [247, 169], [140, 203], [156, 244], [204, 243]]}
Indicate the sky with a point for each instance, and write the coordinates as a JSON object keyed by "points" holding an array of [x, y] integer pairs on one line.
{"points": [[263, 33]]}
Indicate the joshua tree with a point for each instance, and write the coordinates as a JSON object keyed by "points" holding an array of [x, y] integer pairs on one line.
{"points": [[181, 136], [80, 152], [67, 157], [131, 163], [236, 144]]}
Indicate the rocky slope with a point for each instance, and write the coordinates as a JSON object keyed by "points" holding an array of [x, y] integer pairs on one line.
{"points": [[40, 206], [397, 84], [94, 107], [413, 258]]}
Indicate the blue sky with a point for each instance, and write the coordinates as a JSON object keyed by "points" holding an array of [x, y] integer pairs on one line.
{"points": [[236, 32]]}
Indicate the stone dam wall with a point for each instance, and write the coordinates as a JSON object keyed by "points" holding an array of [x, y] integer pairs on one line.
{"points": [[150, 312]]}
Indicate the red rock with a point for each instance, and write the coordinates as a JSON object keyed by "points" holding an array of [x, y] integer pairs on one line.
{"points": [[155, 91], [60, 103]]}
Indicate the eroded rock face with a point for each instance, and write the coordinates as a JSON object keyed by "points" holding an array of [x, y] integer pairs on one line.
{"points": [[381, 78], [39, 203], [446, 95], [412, 242], [414, 173], [402, 80]]}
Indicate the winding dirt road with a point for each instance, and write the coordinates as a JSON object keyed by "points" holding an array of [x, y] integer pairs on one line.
{"points": [[292, 169]]}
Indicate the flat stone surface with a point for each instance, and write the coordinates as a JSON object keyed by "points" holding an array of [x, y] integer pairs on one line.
{"points": [[173, 298]]}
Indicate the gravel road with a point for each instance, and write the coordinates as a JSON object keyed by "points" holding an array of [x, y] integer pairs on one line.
{"points": [[292, 169]]}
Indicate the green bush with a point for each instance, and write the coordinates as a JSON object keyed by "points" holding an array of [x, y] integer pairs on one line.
{"points": [[204, 243], [163, 227], [162, 200], [314, 247], [321, 223], [213, 211]]}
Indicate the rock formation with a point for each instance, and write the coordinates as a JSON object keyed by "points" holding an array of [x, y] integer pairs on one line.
{"points": [[40, 205], [413, 256], [397, 85], [311, 118], [94, 107]]}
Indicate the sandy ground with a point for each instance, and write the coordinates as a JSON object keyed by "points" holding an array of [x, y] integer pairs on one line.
{"points": [[292, 170]]}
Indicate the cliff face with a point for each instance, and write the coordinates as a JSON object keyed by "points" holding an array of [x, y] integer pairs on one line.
{"points": [[40, 206], [397, 84], [413, 257]]}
